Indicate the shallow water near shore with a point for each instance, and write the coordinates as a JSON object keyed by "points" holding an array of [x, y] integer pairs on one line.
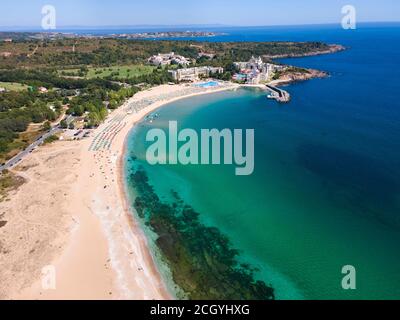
{"points": [[325, 192]]}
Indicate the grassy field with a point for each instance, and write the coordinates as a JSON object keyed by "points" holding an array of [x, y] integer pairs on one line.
{"points": [[12, 86], [120, 72]]}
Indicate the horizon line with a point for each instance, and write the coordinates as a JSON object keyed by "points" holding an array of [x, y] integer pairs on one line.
{"points": [[154, 26]]}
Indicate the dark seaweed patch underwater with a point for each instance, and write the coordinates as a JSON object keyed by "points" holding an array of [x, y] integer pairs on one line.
{"points": [[201, 259]]}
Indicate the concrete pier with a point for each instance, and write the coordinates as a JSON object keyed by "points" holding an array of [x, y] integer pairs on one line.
{"points": [[278, 94]]}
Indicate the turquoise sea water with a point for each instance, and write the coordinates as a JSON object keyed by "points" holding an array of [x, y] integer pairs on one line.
{"points": [[326, 190]]}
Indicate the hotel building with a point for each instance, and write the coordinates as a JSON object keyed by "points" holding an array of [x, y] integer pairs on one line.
{"points": [[163, 59], [194, 74]]}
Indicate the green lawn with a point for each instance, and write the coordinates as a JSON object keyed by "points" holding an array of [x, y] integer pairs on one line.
{"points": [[121, 72], [12, 86]]}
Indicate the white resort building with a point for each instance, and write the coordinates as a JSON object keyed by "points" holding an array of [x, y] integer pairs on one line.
{"points": [[163, 59], [194, 74], [255, 71], [252, 64]]}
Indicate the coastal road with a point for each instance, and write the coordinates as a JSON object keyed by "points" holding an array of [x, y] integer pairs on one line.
{"points": [[20, 156]]}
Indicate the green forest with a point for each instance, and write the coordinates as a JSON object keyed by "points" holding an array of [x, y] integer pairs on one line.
{"points": [[89, 76], [108, 52]]}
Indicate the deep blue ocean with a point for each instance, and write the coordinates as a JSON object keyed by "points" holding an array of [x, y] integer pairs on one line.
{"points": [[326, 189]]}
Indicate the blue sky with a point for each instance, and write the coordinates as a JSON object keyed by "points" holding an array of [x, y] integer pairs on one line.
{"points": [[27, 13]]}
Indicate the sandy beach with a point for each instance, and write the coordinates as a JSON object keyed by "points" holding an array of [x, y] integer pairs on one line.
{"points": [[71, 215]]}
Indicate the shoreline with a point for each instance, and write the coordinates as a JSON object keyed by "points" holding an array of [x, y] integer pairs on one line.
{"points": [[100, 252], [134, 225], [121, 174], [105, 254]]}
